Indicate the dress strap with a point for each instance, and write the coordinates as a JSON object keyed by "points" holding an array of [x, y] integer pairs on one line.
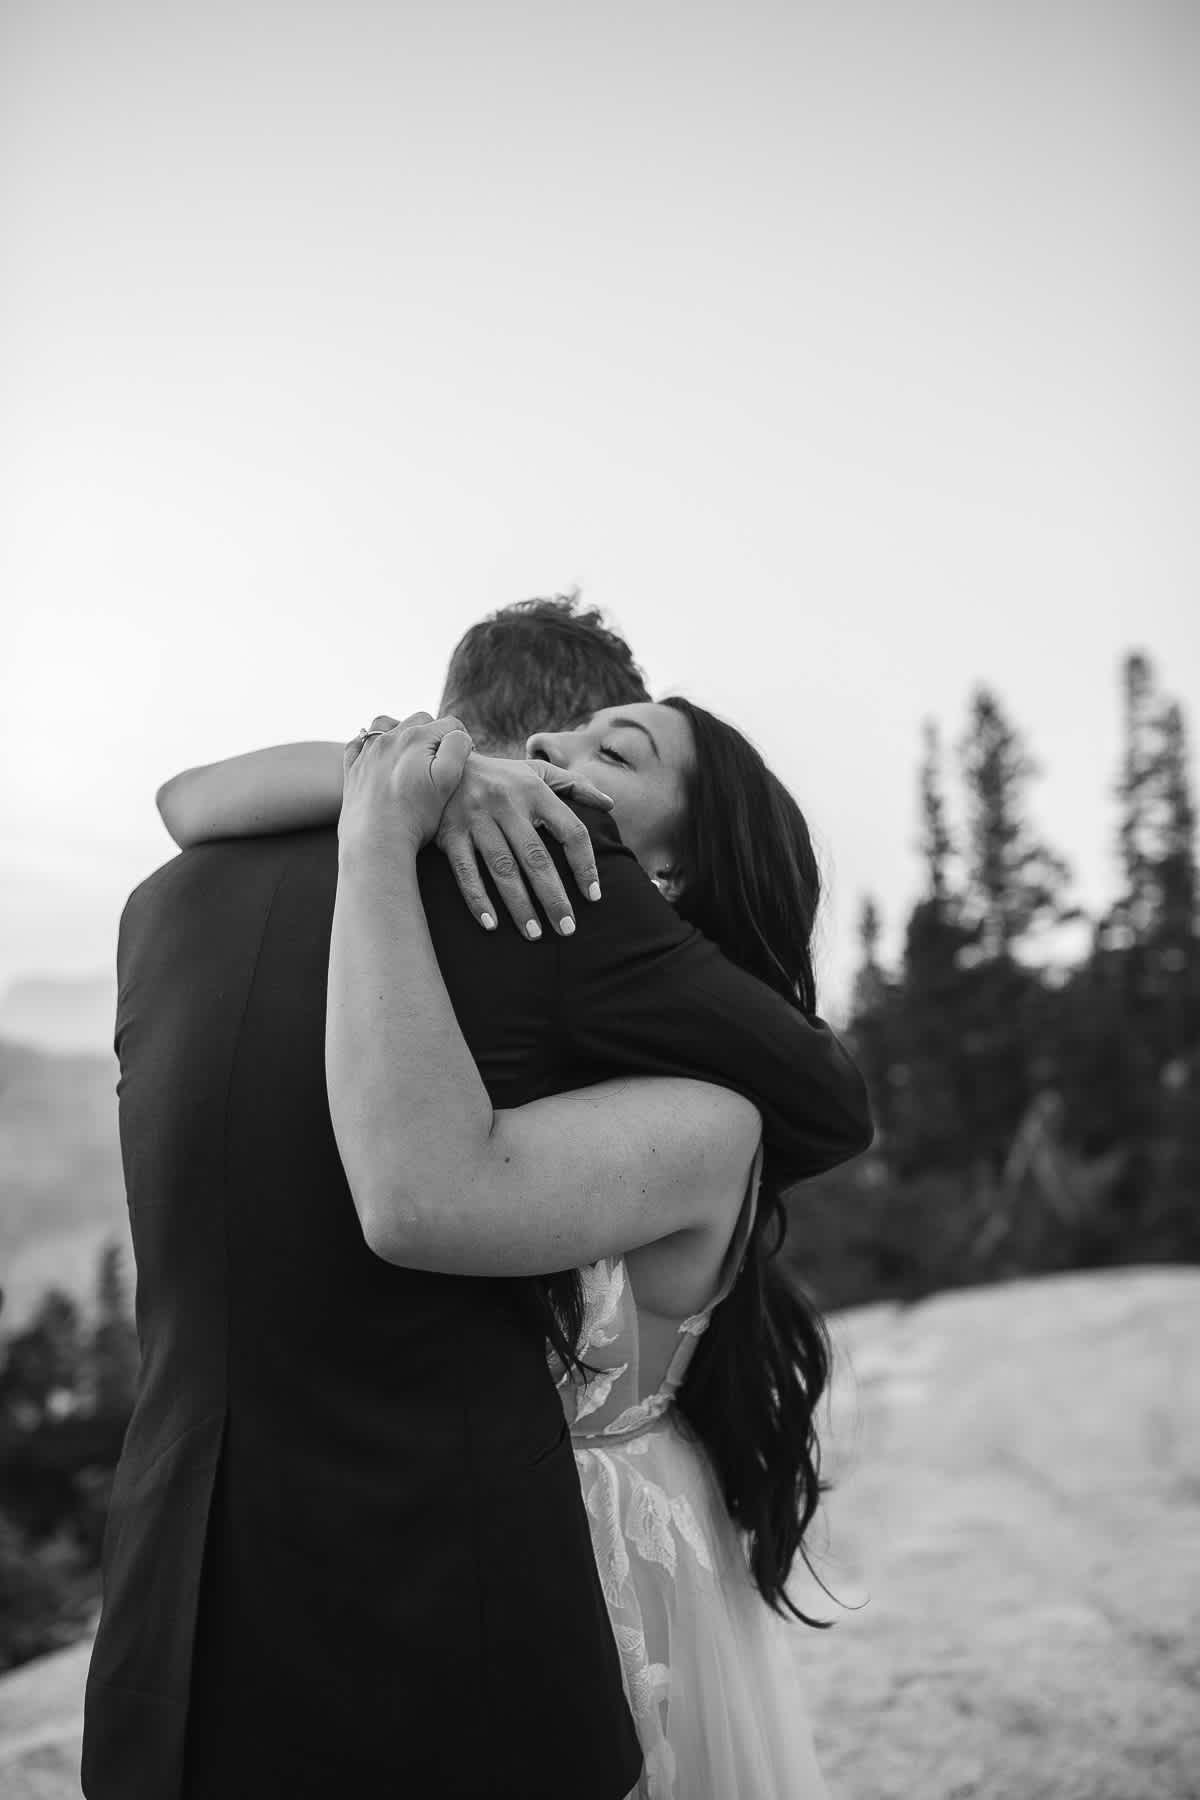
{"points": [[732, 1263]]}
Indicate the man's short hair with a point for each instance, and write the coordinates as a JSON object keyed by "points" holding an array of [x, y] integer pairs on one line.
{"points": [[539, 665]]}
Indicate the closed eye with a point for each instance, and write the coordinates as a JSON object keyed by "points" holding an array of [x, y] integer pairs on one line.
{"points": [[613, 755]]}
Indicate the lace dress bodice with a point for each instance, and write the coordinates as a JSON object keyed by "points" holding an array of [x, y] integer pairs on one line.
{"points": [[709, 1680], [708, 1668], [632, 1389]]}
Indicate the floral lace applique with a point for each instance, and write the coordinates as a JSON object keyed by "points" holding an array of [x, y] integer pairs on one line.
{"points": [[603, 1291], [603, 1295], [636, 1517], [603, 1497], [652, 1520], [648, 1681], [688, 1527], [642, 1412], [594, 1392], [648, 1539], [647, 1686]]}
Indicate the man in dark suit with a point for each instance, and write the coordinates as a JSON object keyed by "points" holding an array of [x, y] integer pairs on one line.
{"points": [[346, 1552]]}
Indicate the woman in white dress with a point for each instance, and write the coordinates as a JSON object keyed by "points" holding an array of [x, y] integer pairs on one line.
{"points": [[699, 1369]]}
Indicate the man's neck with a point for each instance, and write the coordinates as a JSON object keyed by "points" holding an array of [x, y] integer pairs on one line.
{"points": [[513, 752]]}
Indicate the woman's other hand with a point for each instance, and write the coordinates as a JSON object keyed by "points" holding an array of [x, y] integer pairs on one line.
{"points": [[493, 819], [398, 776], [394, 780]]}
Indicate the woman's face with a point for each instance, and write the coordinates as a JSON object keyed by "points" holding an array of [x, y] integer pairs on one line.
{"points": [[641, 754]]}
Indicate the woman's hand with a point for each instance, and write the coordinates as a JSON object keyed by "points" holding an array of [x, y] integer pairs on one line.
{"points": [[492, 818], [397, 779]]}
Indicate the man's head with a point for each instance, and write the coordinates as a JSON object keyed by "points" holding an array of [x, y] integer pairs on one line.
{"points": [[540, 665]]}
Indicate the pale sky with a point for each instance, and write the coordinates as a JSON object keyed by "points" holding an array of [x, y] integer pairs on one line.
{"points": [[845, 355]]}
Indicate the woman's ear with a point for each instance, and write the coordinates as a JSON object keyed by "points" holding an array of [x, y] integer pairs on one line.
{"points": [[669, 883]]}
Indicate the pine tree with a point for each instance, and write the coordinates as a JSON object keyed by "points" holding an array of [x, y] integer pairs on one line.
{"points": [[1149, 937], [930, 1123], [869, 983], [114, 1341], [1170, 977], [43, 1370], [1014, 888], [871, 1020], [1176, 858], [936, 844], [1129, 1021], [1015, 884], [1135, 910], [111, 1295]]}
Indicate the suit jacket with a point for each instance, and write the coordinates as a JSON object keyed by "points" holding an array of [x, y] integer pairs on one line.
{"points": [[346, 1551]]}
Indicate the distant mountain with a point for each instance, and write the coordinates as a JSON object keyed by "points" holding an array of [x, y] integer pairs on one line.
{"points": [[61, 1190], [65, 1014]]}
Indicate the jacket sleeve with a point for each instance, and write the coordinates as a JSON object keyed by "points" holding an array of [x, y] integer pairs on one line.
{"points": [[642, 992]]}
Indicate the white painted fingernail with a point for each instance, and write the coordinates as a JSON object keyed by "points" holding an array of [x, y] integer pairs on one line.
{"points": [[594, 891], [566, 926], [487, 921], [533, 929]]}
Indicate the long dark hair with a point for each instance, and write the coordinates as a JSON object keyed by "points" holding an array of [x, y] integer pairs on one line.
{"points": [[748, 879]]}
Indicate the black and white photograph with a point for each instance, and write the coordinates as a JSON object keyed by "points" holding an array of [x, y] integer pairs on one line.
{"points": [[599, 900]]}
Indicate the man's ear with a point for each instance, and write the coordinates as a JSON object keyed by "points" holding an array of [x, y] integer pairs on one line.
{"points": [[668, 883]]}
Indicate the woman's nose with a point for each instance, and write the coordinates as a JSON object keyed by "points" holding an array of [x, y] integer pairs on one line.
{"points": [[545, 745]]}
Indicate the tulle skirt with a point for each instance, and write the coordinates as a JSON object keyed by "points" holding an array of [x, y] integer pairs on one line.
{"points": [[710, 1671]]}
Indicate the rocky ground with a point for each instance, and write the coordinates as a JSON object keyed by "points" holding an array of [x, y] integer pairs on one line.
{"points": [[1018, 1501], [1017, 1519]]}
